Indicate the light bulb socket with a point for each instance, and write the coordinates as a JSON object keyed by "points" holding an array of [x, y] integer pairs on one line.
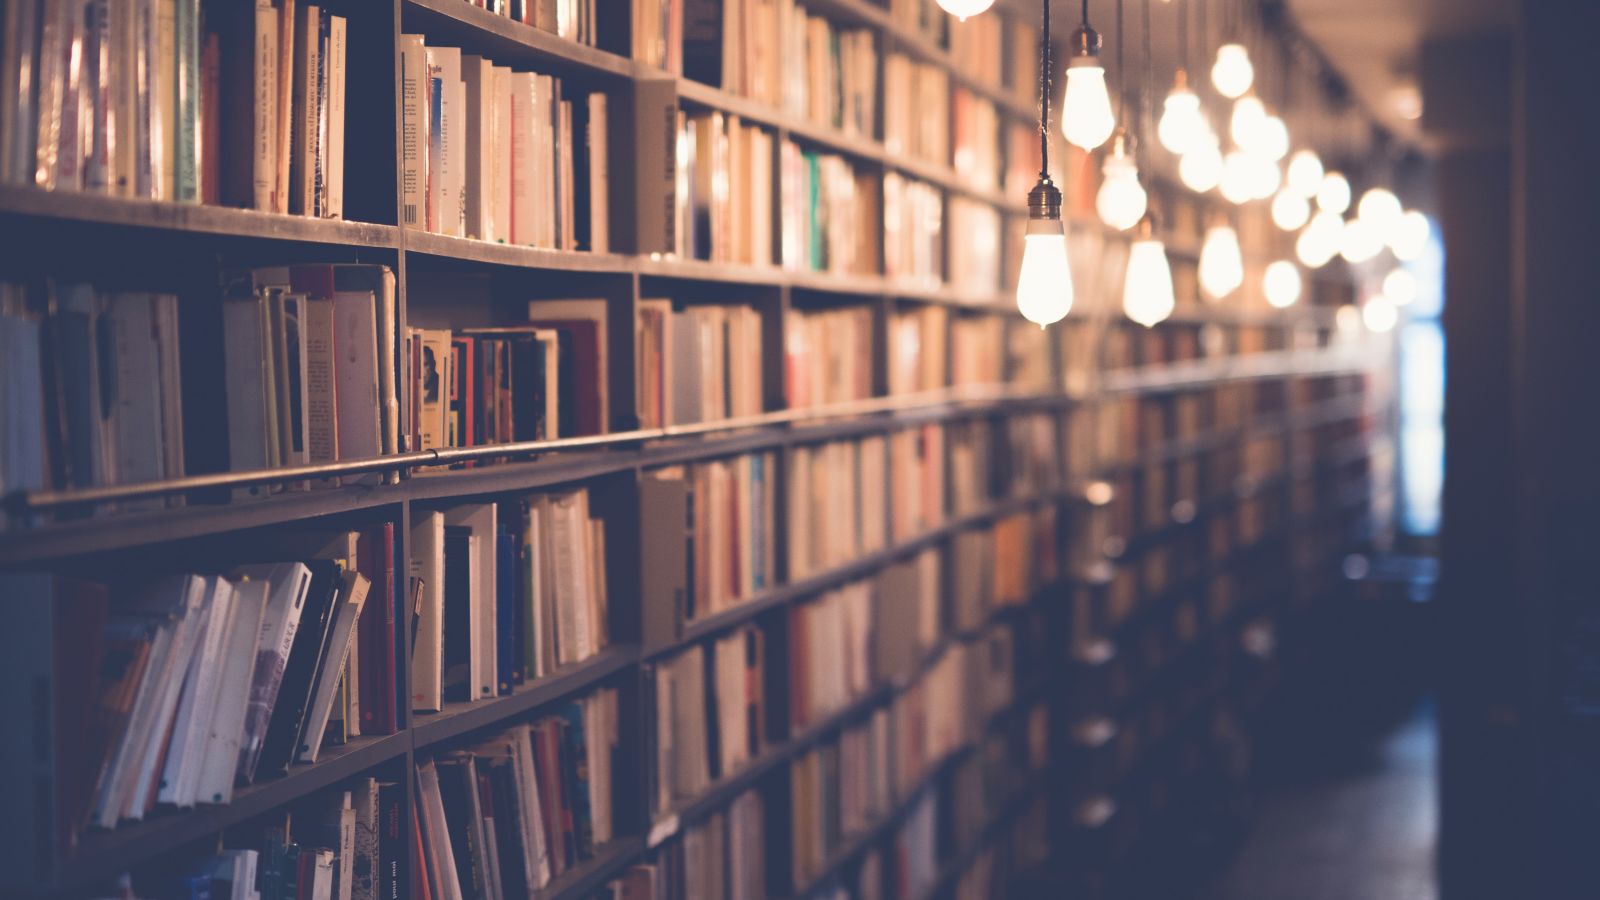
{"points": [[1180, 80], [1083, 48], [1123, 143], [1044, 202], [1147, 227]]}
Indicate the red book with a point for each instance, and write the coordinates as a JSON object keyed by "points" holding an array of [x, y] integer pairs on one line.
{"points": [[581, 377], [464, 391], [376, 632], [547, 760]]}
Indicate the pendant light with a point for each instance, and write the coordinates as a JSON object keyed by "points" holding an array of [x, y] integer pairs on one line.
{"points": [[1305, 173], [1410, 236], [1382, 209], [1201, 167], [1246, 121], [1181, 119], [1086, 118], [1221, 263], [1290, 210], [965, 9], [1238, 177], [1400, 286], [1281, 283], [1360, 241], [1044, 285], [1232, 74], [1121, 199], [1318, 244], [1334, 193], [1147, 295]]}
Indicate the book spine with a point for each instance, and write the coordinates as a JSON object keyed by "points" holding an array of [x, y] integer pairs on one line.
{"points": [[264, 81], [187, 166]]}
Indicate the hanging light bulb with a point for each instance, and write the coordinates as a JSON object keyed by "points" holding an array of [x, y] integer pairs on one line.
{"points": [[1232, 73], [1244, 125], [1333, 195], [1044, 285], [1264, 176], [1359, 241], [1400, 286], [1238, 178], [965, 9], [1381, 207], [1221, 264], [1121, 200], [1147, 296], [1086, 117], [1290, 210], [1305, 173], [1318, 244], [1181, 119], [1201, 167], [1379, 314], [1281, 283], [1410, 236], [1273, 139]]}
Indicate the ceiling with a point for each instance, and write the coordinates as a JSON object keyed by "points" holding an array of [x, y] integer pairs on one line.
{"points": [[1373, 46]]}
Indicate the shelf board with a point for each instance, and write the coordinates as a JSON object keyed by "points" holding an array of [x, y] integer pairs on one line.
{"points": [[457, 719], [584, 879], [479, 30], [472, 250], [102, 855], [193, 218]]}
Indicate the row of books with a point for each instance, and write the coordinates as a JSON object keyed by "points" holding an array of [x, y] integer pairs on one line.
{"points": [[836, 791], [975, 125], [536, 381], [724, 189], [710, 715], [91, 385], [722, 857], [1003, 564], [830, 74], [570, 19], [698, 363], [308, 364], [499, 155], [193, 684], [127, 98], [974, 260], [827, 356], [828, 209], [837, 508], [713, 538], [503, 594], [916, 105], [504, 818], [350, 846], [913, 231], [977, 344]]}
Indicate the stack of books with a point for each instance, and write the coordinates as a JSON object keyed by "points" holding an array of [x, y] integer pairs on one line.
{"points": [[698, 364]]}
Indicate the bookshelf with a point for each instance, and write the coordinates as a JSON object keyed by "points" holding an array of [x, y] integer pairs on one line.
{"points": [[183, 248]]}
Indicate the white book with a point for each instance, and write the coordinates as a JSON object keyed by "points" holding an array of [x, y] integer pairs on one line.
{"points": [[333, 165], [599, 175], [533, 842], [221, 759], [477, 75], [108, 799], [524, 160], [352, 595], [165, 313], [244, 346], [430, 806], [164, 105], [414, 130], [500, 156], [427, 563], [138, 793], [265, 139], [199, 697], [355, 335], [279, 624], [136, 415], [483, 671], [446, 139]]}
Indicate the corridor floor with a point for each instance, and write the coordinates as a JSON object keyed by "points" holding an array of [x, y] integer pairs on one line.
{"points": [[1361, 829]]}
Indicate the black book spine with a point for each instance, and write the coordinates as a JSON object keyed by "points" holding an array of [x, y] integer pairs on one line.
{"points": [[299, 672], [527, 367], [458, 789], [393, 882], [457, 613], [508, 830]]}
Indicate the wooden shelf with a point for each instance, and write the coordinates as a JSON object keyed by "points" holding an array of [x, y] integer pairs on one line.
{"points": [[192, 218], [477, 30], [102, 855], [471, 250]]}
